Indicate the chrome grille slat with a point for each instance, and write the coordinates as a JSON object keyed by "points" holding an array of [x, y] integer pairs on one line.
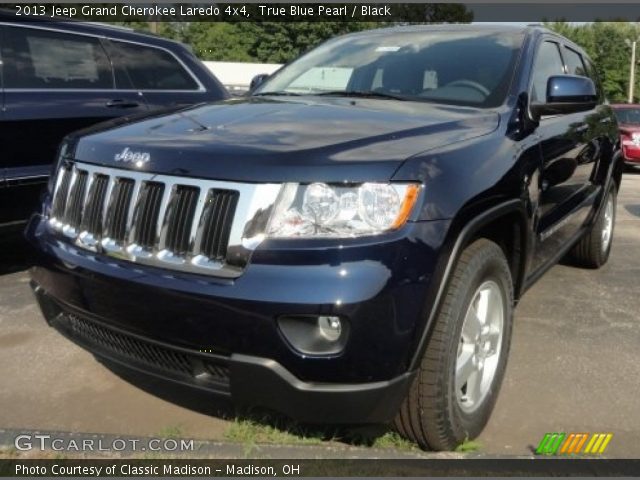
{"points": [[216, 224], [92, 216], [180, 218], [177, 223], [165, 211], [61, 192], [118, 213], [143, 233], [196, 227], [132, 208], [75, 202], [107, 200]]}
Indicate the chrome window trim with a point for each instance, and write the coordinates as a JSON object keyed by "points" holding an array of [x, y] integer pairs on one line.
{"points": [[200, 88], [254, 199]]}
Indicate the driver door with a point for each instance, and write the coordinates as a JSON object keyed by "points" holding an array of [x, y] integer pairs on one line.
{"points": [[568, 155]]}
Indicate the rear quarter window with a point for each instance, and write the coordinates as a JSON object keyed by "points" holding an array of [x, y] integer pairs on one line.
{"points": [[150, 68]]}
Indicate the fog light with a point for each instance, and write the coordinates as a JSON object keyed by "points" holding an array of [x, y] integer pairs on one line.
{"points": [[330, 328], [315, 335]]}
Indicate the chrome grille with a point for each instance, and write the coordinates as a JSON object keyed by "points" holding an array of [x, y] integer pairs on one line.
{"points": [[186, 224]]}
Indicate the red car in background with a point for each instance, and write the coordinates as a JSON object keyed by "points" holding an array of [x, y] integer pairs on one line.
{"points": [[628, 115]]}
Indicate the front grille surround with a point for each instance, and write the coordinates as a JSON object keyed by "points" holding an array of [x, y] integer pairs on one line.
{"points": [[179, 223]]}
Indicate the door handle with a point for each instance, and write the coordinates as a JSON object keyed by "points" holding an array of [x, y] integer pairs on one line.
{"points": [[119, 103]]}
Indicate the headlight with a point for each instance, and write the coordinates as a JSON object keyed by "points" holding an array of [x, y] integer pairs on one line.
{"points": [[321, 210]]}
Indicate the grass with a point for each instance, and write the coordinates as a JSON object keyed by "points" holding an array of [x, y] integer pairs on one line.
{"points": [[468, 446], [251, 432], [391, 439], [9, 452], [273, 430], [171, 431]]}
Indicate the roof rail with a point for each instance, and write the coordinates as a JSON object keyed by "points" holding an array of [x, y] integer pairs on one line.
{"points": [[105, 25]]}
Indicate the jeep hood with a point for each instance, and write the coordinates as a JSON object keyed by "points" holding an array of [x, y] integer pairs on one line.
{"points": [[303, 140]]}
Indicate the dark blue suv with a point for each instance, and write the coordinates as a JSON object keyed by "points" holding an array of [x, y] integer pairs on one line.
{"points": [[348, 243], [59, 76]]}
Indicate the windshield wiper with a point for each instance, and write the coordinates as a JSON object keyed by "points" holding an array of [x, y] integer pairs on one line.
{"points": [[361, 94], [278, 93]]}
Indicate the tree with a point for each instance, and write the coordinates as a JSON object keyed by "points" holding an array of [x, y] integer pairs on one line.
{"points": [[605, 43], [280, 42]]}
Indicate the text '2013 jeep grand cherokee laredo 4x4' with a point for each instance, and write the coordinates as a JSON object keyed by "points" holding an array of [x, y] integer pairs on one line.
{"points": [[347, 244]]}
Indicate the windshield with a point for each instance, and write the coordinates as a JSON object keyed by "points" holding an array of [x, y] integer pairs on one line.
{"points": [[628, 116], [468, 68]]}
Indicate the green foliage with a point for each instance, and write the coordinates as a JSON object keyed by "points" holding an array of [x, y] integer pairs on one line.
{"points": [[394, 440], [469, 446], [605, 44], [280, 42], [267, 42], [171, 431], [251, 432]]}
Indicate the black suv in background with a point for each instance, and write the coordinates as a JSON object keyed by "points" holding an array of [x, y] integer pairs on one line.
{"points": [[348, 243], [60, 76]]}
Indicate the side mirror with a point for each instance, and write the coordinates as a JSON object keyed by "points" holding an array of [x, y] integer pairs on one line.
{"points": [[257, 81], [567, 94]]}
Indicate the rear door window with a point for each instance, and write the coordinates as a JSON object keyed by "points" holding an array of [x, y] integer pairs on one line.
{"points": [[575, 65], [43, 59], [149, 68]]}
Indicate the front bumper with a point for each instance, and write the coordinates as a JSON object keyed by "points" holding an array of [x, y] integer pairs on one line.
{"points": [[221, 336], [256, 381]]}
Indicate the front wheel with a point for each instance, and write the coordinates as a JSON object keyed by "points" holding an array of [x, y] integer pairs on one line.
{"points": [[464, 362]]}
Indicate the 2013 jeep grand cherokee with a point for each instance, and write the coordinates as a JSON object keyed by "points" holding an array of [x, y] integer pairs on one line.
{"points": [[348, 243]]}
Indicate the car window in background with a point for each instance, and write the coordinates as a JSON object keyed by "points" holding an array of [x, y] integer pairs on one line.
{"points": [[628, 116], [575, 65], [548, 63], [52, 60], [153, 69], [414, 65]]}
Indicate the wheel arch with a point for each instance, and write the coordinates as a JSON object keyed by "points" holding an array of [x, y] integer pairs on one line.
{"points": [[506, 225]]}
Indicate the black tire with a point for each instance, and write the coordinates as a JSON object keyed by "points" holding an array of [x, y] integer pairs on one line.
{"points": [[591, 251], [431, 414]]}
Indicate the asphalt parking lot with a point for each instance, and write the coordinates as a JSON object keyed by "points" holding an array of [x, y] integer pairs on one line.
{"points": [[573, 366]]}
